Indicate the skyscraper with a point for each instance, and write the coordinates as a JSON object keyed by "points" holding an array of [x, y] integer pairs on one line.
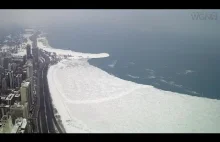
{"points": [[28, 49], [24, 59], [2, 61], [4, 84], [29, 69], [30, 76], [10, 99], [18, 110], [35, 53], [6, 61], [25, 92], [3, 110], [6, 124], [13, 67], [1, 69], [9, 66], [18, 80], [11, 79]]}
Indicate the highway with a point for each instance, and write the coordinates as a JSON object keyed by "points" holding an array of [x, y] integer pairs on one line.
{"points": [[42, 121], [46, 121]]}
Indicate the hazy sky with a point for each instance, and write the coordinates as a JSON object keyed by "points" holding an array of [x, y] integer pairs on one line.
{"points": [[179, 21]]}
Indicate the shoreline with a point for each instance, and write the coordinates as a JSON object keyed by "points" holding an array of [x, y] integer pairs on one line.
{"points": [[75, 55], [73, 124]]}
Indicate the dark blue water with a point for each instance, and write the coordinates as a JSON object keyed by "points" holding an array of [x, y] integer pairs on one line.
{"points": [[179, 63]]}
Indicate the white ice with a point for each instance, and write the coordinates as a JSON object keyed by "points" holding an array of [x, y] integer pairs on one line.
{"points": [[172, 83], [21, 52], [112, 65], [91, 100], [22, 48], [151, 77], [5, 48], [188, 71], [43, 44], [132, 76]]}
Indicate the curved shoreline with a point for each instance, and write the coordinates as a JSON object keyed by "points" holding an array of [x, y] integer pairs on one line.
{"points": [[160, 108]]}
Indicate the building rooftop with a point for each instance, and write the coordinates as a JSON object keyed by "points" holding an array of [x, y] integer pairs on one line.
{"points": [[15, 129], [17, 105], [20, 124], [7, 106], [17, 95], [19, 75], [3, 98], [4, 118], [10, 96], [29, 63], [2, 105], [24, 124], [16, 92], [18, 121], [25, 84]]}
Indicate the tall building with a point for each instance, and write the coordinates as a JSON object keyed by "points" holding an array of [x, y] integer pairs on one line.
{"points": [[0, 80], [4, 84], [28, 50], [10, 99], [26, 111], [20, 126], [24, 59], [3, 110], [18, 110], [1, 128], [2, 61], [30, 76], [7, 78], [25, 90], [13, 67], [24, 74], [6, 61], [2, 70], [6, 124], [35, 53], [29, 68], [10, 79], [18, 80], [19, 70], [9, 66], [17, 97]]}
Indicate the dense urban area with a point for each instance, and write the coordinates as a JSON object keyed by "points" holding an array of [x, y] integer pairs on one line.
{"points": [[25, 102]]}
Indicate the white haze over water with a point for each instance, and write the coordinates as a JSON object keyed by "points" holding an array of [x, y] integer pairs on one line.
{"points": [[166, 21], [91, 100]]}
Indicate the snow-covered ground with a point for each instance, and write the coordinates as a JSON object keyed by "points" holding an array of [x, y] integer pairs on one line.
{"points": [[43, 44], [89, 99], [22, 48], [27, 36], [5, 48], [21, 52]]}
